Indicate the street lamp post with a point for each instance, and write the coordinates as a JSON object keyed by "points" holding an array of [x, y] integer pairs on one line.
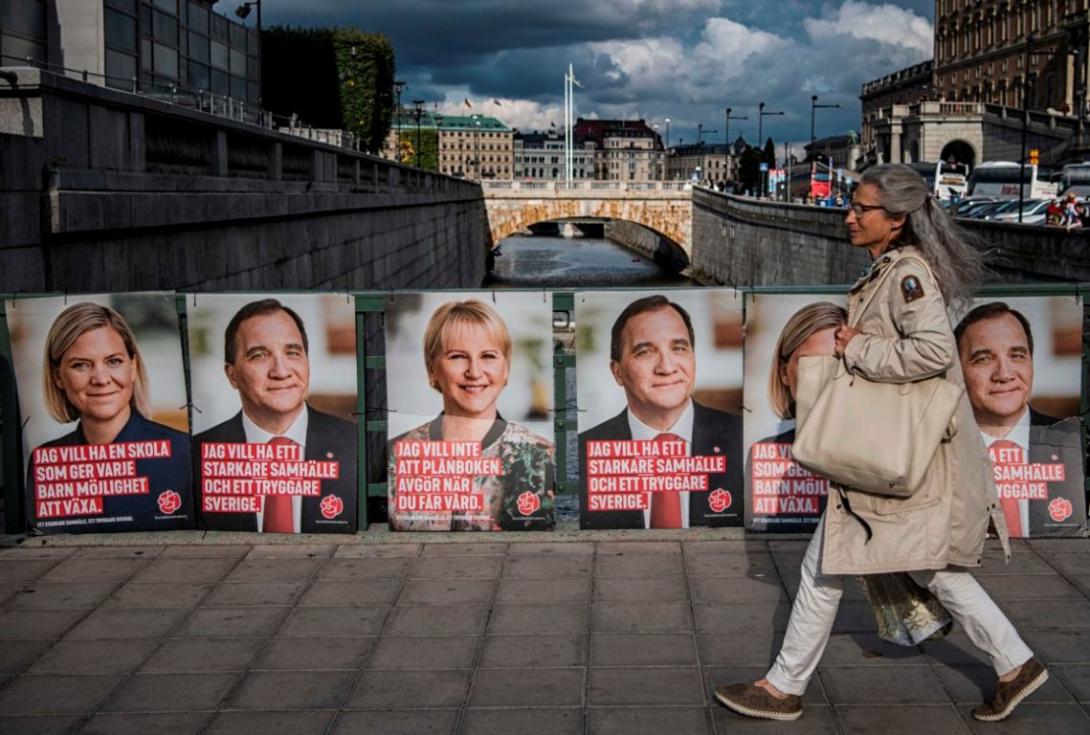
{"points": [[761, 115], [438, 132], [399, 84], [418, 112], [726, 128], [477, 144], [813, 107], [667, 132]]}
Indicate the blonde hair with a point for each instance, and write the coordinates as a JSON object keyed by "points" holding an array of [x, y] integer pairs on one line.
{"points": [[802, 324], [68, 327], [459, 314]]}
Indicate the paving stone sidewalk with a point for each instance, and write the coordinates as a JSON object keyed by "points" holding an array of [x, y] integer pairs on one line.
{"points": [[557, 637]]}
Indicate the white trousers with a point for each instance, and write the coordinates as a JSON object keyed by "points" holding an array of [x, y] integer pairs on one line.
{"points": [[818, 598]]}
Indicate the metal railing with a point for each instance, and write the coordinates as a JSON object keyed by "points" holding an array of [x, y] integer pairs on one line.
{"points": [[561, 186], [222, 106]]}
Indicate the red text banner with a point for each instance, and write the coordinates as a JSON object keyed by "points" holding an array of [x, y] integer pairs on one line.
{"points": [[72, 480], [780, 485], [441, 476], [1017, 479], [236, 476], [621, 474]]}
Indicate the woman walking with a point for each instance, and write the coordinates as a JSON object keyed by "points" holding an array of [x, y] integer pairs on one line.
{"points": [[921, 264]]}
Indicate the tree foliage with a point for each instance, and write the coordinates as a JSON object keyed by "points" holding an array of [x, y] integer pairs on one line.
{"points": [[330, 78], [365, 62], [429, 148], [749, 169]]}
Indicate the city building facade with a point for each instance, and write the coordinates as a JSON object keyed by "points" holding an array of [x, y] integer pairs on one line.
{"points": [[981, 52], [147, 46], [903, 87], [540, 157], [625, 150], [714, 162]]}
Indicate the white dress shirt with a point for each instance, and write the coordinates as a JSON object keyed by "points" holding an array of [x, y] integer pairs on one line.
{"points": [[682, 428], [297, 432]]}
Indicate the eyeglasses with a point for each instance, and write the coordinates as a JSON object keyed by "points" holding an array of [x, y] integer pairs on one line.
{"points": [[860, 209]]}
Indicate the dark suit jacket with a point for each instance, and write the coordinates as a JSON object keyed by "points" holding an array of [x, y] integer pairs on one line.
{"points": [[326, 435], [166, 473], [711, 429], [1052, 440]]}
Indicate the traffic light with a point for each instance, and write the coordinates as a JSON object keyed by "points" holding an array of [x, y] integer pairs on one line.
{"points": [[1034, 156]]}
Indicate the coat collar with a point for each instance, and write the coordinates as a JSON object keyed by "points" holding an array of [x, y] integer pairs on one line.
{"points": [[883, 262]]}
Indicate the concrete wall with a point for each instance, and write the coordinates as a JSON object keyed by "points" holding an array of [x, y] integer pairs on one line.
{"points": [[106, 191], [647, 243], [743, 242]]}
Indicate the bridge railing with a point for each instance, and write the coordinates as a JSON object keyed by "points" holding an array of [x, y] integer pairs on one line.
{"points": [[508, 185]]}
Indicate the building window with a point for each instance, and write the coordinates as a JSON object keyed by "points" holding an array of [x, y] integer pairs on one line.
{"points": [[120, 30], [166, 60]]}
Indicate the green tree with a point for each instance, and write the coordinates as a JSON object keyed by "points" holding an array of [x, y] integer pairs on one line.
{"points": [[768, 155], [749, 169], [365, 64], [330, 78], [429, 142]]}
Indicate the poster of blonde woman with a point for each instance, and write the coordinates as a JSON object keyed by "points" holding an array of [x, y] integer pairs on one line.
{"points": [[102, 394], [469, 395], [659, 378], [780, 329]]}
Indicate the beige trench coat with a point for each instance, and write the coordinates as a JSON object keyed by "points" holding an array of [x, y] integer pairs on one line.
{"points": [[906, 336]]}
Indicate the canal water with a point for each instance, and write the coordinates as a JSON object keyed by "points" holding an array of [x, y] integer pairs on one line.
{"points": [[578, 262]]}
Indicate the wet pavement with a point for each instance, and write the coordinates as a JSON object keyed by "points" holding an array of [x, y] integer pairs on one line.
{"points": [[577, 632]]}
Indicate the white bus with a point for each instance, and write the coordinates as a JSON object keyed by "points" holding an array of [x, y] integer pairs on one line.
{"points": [[946, 179], [1075, 179], [1002, 180]]}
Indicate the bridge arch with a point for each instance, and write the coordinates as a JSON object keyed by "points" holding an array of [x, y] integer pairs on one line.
{"points": [[663, 207]]}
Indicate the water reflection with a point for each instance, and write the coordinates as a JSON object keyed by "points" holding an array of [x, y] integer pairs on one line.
{"points": [[580, 261]]}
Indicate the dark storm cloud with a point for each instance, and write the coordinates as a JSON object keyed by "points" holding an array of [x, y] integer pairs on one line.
{"points": [[684, 59]]}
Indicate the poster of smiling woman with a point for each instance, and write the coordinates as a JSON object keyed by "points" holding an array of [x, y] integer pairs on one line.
{"points": [[469, 394], [274, 396], [102, 394], [659, 384]]}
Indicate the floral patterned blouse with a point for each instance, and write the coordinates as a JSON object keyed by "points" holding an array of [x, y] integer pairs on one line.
{"points": [[521, 499]]}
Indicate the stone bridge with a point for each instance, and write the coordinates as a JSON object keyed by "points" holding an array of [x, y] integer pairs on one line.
{"points": [[664, 207]]}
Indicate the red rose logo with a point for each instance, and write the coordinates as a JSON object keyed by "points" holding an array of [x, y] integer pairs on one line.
{"points": [[719, 500], [528, 503], [331, 507], [1060, 509], [169, 501]]}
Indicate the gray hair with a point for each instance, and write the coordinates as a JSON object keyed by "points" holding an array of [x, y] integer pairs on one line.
{"points": [[951, 252]]}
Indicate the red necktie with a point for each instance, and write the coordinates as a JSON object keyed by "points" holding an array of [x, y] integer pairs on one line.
{"points": [[666, 504], [1010, 506], [278, 516]]}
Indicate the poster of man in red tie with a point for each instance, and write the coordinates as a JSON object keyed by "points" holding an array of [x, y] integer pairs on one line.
{"points": [[274, 393], [1022, 363], [661, 440], [782, 495]]}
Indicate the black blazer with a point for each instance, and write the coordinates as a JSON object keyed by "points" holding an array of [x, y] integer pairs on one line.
{"points": [[328, 439], [166, 473], [1052, 441], [714, 432]]}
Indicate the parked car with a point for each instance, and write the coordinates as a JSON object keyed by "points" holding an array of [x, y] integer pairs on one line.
{"points": [[1033, 213]]}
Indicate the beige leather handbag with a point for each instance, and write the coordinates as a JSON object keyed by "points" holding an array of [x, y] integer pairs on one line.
{"points": [[876, 437]]}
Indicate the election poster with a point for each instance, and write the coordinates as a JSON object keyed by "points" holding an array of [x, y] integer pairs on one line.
{"points": [[659, 388], [102, 396], [1022, 360], [470, 402], [274, 400], [782, 495]]}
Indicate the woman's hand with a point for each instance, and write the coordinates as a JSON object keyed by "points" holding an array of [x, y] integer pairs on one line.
{"points": [[844, 335]]}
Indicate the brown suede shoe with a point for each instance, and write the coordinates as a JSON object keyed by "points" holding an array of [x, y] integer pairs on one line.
{"points": [[753, 701], [1009, 694]]}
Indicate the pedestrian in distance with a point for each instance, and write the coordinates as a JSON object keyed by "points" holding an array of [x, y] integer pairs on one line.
{"points": [[903, 335]]}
